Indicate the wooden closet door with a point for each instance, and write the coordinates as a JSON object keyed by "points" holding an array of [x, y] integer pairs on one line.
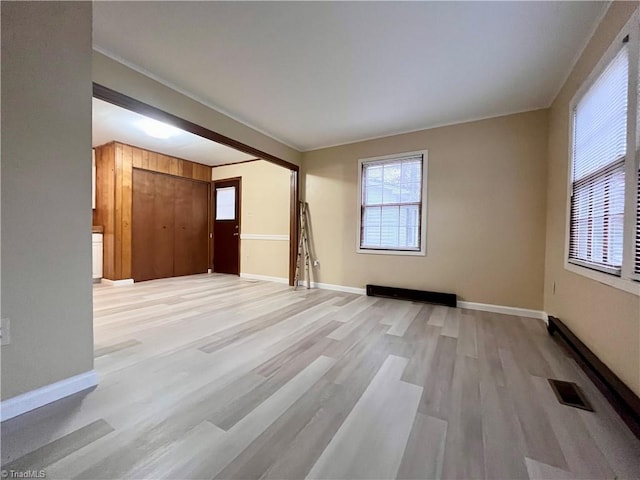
{"points": [[142, 217], [164, 224], [191, 227], [152, 225]]}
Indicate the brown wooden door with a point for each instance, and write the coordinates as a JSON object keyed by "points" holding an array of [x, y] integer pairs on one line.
{"points": [[162, 227], [226, 226], [169, 226], [143, 220], [152, 226], [191, 227]]}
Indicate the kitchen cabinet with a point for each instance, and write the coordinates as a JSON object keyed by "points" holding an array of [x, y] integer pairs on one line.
{"points": [[96, 251]]}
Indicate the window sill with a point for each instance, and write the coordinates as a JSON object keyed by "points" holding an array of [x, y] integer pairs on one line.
{"points": [[410, 253], [625, 284]]}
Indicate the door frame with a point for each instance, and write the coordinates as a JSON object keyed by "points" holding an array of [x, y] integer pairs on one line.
{"points": [[212, 206], [120, 99]]}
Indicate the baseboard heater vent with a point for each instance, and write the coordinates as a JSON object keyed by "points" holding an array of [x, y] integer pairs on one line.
{"points": [[448, 299], [620, 396], [568, 393]]}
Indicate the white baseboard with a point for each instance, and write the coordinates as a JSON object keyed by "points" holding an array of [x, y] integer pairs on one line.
{"points": [[337, 288], [118, 283], [485, 307], [519, 312], [266, 278], [12, 407], [259, 236]]}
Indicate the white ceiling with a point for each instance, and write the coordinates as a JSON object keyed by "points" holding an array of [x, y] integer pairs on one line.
{"points": [[314, 74], [111, 122]]}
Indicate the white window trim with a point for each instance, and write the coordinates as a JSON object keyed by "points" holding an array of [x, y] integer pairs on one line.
{"points": [[626, 281], [423, 221]]}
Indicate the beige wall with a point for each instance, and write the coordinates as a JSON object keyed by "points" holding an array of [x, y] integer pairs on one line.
{"points": [[485, 217], [605, 318], [125, 80], [46, 192], [265, 211]]}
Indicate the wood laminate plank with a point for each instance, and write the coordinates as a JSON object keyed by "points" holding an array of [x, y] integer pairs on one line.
{"points": [[464, 447], [107, 349], [177, 454], [284, 390], [261, 454], [61, 447], [451, 327], [581, 452], [229, 415], [311, 441], [467, 336], [436, 396], [354, 307], [438, 315], [371, 441], [317, 340], [356, 322], [541, 442], [400, 326], [490, 364], [424, 338], [542, 471], [244, 330], [251, 426], [424, 454], [503, 458]]}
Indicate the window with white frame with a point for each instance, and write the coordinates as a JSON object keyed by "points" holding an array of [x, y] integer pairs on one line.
{"points": [[392, 217], [604, 179]]}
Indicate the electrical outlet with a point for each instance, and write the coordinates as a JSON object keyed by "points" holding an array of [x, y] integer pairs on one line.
{"points": [[5, 337]]}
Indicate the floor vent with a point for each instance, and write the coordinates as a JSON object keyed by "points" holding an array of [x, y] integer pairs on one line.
{"points": [[448, 299], [568, 393]]}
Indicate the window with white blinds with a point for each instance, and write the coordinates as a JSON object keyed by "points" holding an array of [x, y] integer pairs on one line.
{"points": [[392, 204], [604, 184], [598, 184]]}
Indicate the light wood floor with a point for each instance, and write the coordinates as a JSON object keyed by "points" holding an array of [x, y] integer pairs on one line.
{"points": [[212, 376]]}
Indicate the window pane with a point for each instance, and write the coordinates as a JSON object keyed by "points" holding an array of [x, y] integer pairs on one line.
{"points": [[410, 192], [374, 195], [411, 171], [597, 213], [372, 217], [371, 237], [409, 216], [373, 175], [599, 151], [600, 123], [226, 203], [392, 174], [392, 192], [408, 237]]}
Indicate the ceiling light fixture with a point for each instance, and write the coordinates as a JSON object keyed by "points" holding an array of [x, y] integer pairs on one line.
{"points": [[157, 129]]}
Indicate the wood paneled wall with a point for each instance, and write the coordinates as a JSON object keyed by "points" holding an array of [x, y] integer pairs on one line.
{"points": [[114, 183]]}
